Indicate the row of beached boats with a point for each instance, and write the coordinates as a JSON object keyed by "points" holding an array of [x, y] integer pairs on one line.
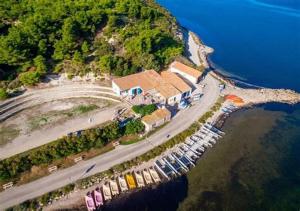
{"points": [[184, 156], [228, 109], [178, 161], [137, 179]]}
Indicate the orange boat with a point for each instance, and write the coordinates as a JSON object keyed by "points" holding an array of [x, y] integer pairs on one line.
{"points": [[235, 99]]}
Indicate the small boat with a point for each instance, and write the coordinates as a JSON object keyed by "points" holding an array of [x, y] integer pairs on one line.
{"points": [[172, 165], [98, 198], [210, 126], [147, 177], [114, 187], [106, 192], [90, 204], [139, 179], [154, 175], [183, 166], [122, 184], [164, 168], [189, 142], [183, 158], [130, 181]]}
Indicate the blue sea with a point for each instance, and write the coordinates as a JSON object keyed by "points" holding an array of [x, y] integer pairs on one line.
{"points": [[257, 41], [257, 164]]}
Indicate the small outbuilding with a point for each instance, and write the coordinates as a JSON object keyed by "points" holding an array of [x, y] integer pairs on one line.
{"points": [[156, 119], [189, 73]]}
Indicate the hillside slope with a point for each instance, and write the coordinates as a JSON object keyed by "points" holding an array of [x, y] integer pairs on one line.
{"points": [[77, 36]]}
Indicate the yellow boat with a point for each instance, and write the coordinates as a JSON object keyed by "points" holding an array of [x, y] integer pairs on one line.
{"points": [[130, 181]]}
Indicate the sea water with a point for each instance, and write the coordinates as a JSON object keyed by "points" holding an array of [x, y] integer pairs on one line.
{"points": [[256, 166]]}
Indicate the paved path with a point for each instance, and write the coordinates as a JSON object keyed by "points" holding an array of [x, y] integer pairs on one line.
{"points": [[182, 121], [103, 162]]}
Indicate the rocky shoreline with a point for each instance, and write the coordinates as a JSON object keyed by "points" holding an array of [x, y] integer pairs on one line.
{"points": [[250, 96]]}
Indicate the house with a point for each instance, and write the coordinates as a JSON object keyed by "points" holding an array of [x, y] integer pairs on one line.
{"points": [[177, 82], [156, 119], [189, 73], [149, 82]]}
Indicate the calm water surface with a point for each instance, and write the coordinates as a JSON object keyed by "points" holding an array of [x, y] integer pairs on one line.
{"points": [[257, 164], [257, 41]]}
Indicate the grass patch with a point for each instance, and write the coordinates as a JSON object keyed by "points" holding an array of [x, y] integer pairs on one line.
{"points": [[7, 134], [130, 139], [81, 109], [144, 110]]}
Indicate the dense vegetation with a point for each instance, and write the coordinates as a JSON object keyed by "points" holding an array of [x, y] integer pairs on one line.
{"points": [[104, 36], [12, 167], [144, 109], [134, 127]]}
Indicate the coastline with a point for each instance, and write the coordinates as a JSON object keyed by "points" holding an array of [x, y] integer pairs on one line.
{"points": [[280, 95], [251, 96]]}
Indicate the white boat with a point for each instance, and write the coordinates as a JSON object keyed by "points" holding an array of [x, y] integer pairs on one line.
{"points": [[189, 142], [114, 187], [106, 192], [139, 179], [154, 175], [147, 177], [122, 184]]}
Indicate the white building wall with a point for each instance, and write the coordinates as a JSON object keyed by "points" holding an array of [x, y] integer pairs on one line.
{"points": [[116, 88], [183, 74], [147, 126], [174, 99]]}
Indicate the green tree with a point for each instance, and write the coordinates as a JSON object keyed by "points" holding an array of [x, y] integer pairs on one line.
{"points": [[85, 48], [106, 63], [30, 78], [40, 64], [3, 94], [78, 57], [134, 127]]}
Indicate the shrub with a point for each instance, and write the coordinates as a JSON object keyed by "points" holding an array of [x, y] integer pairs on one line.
{"points": [[3, 94], [134, 127], [144, 109], [97, 137], [30, 78]]}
